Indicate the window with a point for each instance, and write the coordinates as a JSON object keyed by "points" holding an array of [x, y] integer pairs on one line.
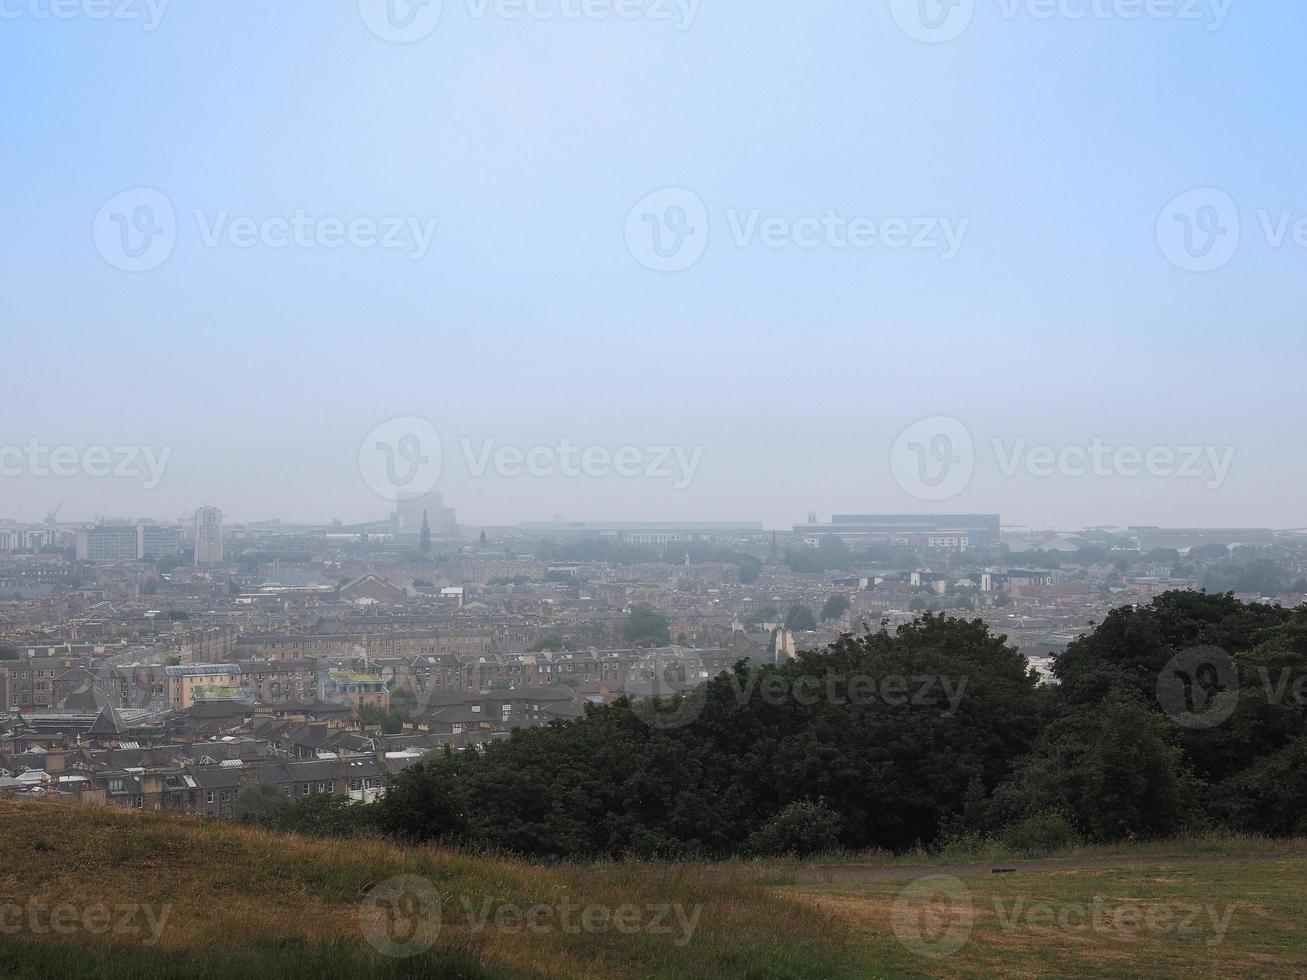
{"points": [[208, 797]]}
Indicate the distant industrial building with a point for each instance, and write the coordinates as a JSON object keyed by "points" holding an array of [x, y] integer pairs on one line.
{"points": [[642, 532], [208, 536], [942, 532], [1182, 538]]}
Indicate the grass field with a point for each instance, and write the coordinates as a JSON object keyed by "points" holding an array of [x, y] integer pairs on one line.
{"points": [[91, 892]]}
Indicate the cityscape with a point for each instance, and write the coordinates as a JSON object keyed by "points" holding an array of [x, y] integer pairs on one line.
{"points": [[653, 490]]}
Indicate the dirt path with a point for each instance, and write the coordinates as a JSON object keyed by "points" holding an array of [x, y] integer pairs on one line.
{"points": [[907, 871]]}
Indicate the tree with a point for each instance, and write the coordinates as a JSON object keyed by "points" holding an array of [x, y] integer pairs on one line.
{"points": [[260, 803], [801, 829], [747, 762], [835, 607], [800, 619], [646, 628], [1112, 768]]}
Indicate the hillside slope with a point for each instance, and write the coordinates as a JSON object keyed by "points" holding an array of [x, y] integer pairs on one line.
{"points": [[220, 900]]}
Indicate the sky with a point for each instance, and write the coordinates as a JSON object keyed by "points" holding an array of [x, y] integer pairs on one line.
{"points": [[756, 259]]}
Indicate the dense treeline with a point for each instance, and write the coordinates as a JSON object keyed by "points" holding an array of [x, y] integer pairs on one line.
{"points": [[938, 734]]}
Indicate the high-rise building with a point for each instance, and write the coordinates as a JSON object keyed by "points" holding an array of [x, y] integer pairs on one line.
{"points": [[208, 536]]}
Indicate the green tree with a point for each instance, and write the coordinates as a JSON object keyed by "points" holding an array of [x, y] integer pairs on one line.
{"points": [[646, 628], [260, 803], [835, 607], [800, 619]]}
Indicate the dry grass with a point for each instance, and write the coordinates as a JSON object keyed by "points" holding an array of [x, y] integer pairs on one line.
{"points": [[222, 881]]}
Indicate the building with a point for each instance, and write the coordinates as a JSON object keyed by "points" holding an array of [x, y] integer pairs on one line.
{"points": [[127, 542], [208, 536], [406, 522], [108, 543], [353, 688], [943, 532], [187, 682], [643, 532]]}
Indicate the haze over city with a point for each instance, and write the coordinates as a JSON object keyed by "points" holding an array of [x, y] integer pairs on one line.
{"points": [[551, 489]]}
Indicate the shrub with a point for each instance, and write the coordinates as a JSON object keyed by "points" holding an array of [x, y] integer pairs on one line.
{"points": [[801, 829], [1041, 833]]}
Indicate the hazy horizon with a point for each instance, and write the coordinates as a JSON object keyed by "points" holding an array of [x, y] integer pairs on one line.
{"points": [[1015, 192]]}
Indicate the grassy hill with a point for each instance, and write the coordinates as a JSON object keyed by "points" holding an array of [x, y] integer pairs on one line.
{"points": [[104, 893]]}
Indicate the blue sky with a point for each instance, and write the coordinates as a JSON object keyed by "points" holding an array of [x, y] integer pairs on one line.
{"points": [[1055, 142]]}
